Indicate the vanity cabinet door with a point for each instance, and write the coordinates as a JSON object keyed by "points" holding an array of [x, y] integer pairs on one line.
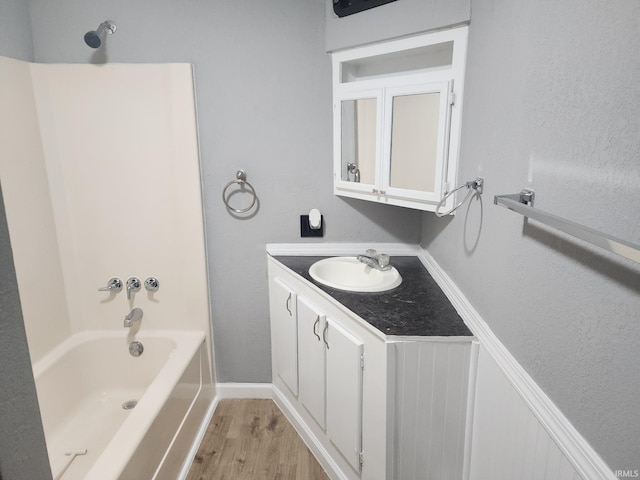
{"points": [[417, 129], [358, 120], [311, 350], [284, 331], [345, 356]]}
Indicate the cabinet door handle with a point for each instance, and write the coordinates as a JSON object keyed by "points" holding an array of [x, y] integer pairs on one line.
{"points": [[324, 334], [317, 322], [289, 305]]}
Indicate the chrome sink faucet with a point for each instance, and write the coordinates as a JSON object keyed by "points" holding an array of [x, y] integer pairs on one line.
{"points": [[379, 261], [134, 316]]}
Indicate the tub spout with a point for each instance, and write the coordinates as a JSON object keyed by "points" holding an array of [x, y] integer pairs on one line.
{"points": [[134, 316]]}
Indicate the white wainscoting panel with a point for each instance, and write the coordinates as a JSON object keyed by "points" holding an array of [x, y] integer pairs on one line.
{"points": [[509, 442], [504, 389], [430, 406]]}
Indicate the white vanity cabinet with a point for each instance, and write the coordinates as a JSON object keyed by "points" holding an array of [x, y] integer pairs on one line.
{"points": [[397, 117], [330, 363], [345, 365], [369, 406], [312, 334], [284, 332], [332, 354]]}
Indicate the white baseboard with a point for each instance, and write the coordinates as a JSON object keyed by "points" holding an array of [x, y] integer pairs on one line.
{"points": [[585, 460], [224, 390], [244, 390]]}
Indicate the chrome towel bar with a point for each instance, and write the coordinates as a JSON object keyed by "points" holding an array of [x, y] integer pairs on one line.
{"points": [[522, 203]]}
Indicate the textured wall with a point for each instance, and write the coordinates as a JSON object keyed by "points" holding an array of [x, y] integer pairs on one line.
{"points": [[263, 85], [23, 453], [552, 103], [15, 30], [395, 19]]}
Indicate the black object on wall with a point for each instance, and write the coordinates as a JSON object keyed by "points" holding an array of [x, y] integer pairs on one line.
{"points": [[307, 231], [349, 7]]}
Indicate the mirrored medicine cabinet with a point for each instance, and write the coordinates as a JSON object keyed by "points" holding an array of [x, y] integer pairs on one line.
{"points": [[397, 108]]}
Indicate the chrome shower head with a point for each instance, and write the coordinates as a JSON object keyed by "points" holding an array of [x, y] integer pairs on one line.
{"points": [[94, 38]]}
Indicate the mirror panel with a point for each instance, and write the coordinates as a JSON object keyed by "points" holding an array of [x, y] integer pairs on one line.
{"points": [[414, 141], [359, 120]]}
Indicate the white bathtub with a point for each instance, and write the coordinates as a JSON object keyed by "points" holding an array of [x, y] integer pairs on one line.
{"points": [[83, 383]]}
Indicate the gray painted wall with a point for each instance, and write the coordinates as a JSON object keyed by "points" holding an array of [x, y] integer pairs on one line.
{"points": [[396, 19], [23, 452], [552, 103], [15, 30], [263, 85]]}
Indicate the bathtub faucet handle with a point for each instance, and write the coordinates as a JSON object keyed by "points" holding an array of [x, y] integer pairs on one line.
{"points": [[134, 316], [133, 286], [113, 285]]}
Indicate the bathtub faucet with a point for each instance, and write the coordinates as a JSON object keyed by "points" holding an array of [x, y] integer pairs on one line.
{"points": [[134, 316]]}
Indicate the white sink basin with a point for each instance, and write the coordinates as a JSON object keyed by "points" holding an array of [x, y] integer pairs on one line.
{"points": [[347, 273]]}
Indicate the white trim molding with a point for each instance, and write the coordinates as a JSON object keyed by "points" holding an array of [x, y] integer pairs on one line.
{"points": [[244, 390], [573, 446], [337, 249]]}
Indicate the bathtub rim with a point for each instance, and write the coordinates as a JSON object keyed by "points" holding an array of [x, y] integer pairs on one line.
{"points": [[111, 462], [76, 339]]}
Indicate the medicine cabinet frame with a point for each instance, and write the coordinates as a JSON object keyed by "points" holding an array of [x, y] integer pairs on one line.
{"points": [[430, 63]]}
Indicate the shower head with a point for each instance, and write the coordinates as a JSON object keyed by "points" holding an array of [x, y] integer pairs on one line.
{"points": [[94, 38]]}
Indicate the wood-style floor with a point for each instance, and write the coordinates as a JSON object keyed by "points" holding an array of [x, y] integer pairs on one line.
{"points": [[252, 440]]}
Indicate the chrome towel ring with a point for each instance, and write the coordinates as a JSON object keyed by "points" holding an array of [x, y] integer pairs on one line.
{"points": [[241, 179], [474, 186]]}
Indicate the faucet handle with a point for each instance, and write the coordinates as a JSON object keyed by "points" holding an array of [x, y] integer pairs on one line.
{"points": [[383, 259], [152, 284], [113, 285], [371, 252], [133, 286]]}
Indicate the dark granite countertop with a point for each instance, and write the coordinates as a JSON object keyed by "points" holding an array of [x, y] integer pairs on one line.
{"points": [[418, 307]]}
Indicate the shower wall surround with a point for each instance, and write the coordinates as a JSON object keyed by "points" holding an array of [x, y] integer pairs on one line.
{"points": [[263, 82], [22, 444], [102, 179], [30, 213]]}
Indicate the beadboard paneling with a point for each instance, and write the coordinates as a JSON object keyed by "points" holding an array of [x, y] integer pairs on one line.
{"points": [[430, 403], [508, 440]]}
